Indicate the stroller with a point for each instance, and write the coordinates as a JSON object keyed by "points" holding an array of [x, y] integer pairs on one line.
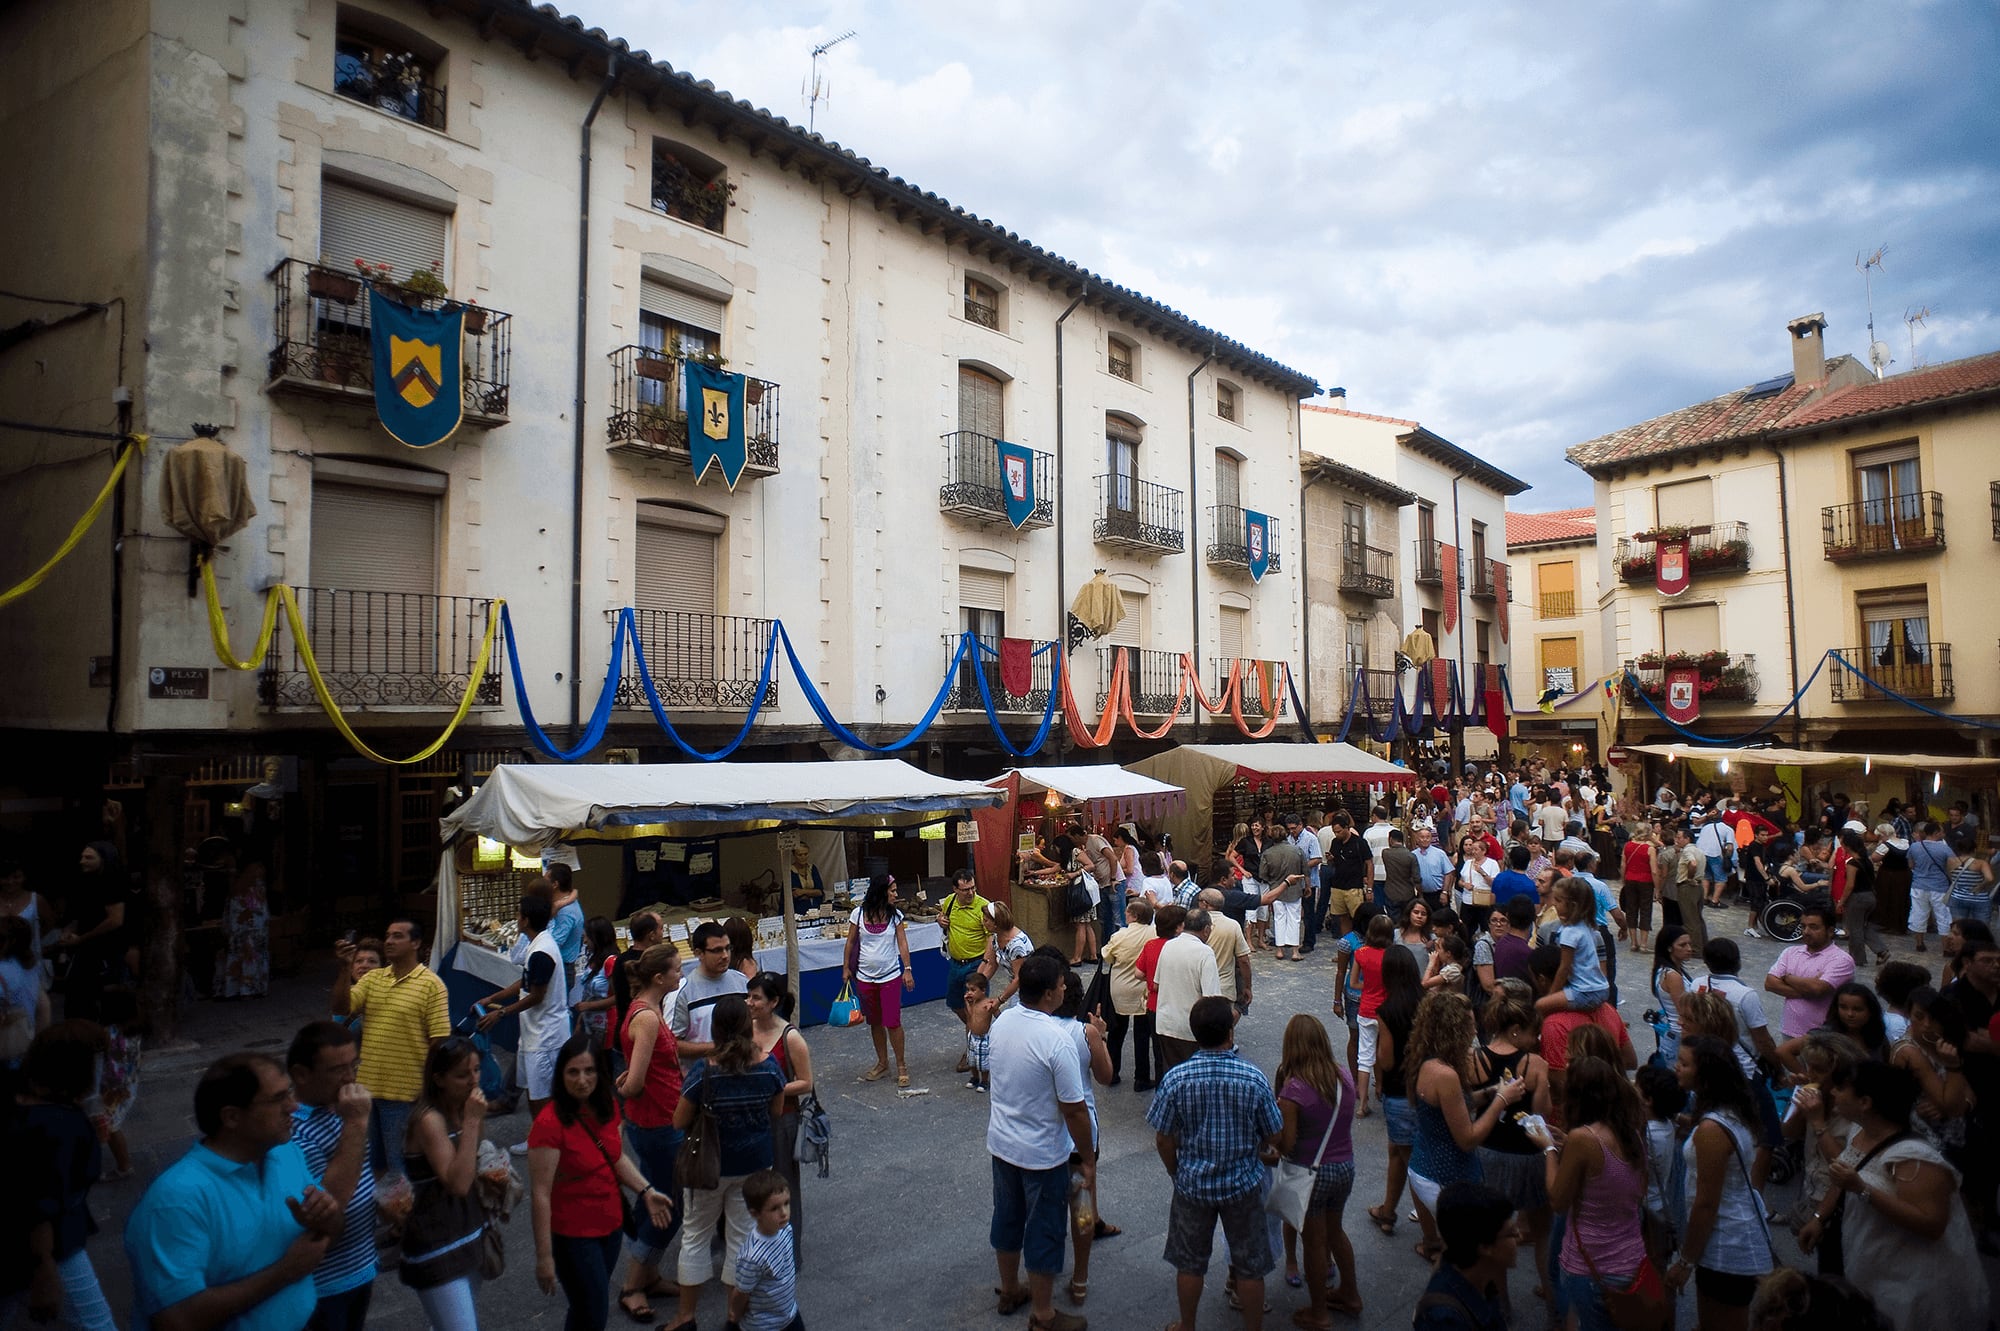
{"points": [[1781, 917]]}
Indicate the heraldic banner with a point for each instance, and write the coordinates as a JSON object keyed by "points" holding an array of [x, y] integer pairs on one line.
{"points": [[1257, 541], [715, 421], [1683, 695], [1670, 565], [419, 370], [1017, 481]]}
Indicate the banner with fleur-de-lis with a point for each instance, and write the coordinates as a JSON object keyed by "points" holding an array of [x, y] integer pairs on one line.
{"points": [[715, 421]]}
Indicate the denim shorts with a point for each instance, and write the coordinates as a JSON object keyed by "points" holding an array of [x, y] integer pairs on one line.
{"points": [[1400, 1120], [1715, 868], [1031, 1214], [955, 975], [1191, 1234]]}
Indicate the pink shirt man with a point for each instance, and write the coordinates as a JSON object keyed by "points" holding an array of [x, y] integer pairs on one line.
{"points": [[1830, 964]]}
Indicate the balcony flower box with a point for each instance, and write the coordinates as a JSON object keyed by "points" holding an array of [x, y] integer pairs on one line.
{"points": [[1658, 534], [1732, 685], [657, 368], [324, 285], [1708, 663], [475, 319]]}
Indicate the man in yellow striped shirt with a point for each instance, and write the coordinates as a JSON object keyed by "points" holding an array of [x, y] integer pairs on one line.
{"points": [[403, 1009], [964, 945]]}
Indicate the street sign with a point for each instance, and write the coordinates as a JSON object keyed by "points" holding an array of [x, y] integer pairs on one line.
{"points": [[187, 683], [1616, 755]]}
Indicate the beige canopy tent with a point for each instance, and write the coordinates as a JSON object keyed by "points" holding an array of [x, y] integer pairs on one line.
{"points": [[1205, 770], [1814, 758]]}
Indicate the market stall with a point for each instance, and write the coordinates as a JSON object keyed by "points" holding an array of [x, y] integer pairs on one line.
{"points": [[1100, 794], [692, 818], [1223, 781]]}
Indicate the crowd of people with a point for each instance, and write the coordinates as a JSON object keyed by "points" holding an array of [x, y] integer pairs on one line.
{"points": [[1474, 955]]}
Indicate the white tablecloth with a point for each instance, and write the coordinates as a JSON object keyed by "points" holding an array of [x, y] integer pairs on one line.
{"points": [[815, 954]]}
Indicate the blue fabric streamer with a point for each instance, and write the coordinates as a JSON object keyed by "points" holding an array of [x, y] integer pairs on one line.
{"points": [[1748, 734], [1888, 692], [630, 625], [1299, 708], [848, 737], [993, 715], [600, 716]]}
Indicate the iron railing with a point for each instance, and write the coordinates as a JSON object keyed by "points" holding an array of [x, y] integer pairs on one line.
{"points": [[1723, 677], [398, 84], [324, 339], [1121, 368], [1913, 670], [706, 663], [1430, 561], [964, 694], [1874, 528], [975, 486], [1229, 538], [1724, 547], [1154, 676], [1254, 673], [979, 312], [1558, 605], [382, 649], [1367, 570], [1138, 515], [1993, 492], [1483, 582], [649, 410], [1381, 689]]}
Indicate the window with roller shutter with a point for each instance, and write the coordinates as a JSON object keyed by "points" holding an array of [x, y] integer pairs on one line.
{"points": [[356, 223], [982, 612], [674, 563], [373, 600], [674, 591]]}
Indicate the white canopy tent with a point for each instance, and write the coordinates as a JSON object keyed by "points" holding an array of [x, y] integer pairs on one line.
{"points": [[532, 807], [1203, 770], [1108, 792]]}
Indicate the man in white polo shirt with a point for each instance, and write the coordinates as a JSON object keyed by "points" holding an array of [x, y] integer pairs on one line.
{"points": [[541, 1002], [1186, 971], [1036, 1120]]}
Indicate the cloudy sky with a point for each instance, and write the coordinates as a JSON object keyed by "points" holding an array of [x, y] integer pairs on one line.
{"points": [[1523, 225]]}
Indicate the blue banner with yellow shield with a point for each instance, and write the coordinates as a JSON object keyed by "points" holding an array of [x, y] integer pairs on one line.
{"points": [[715, 421], [419, 370], [1257, 543]]}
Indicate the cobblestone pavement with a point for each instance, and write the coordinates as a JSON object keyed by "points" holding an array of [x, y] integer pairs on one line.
{"points": [[897, 1236]]}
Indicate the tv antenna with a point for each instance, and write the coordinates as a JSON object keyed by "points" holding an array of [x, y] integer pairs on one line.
{"points": [[1867, 266], [816, 90], [1913, 320]]}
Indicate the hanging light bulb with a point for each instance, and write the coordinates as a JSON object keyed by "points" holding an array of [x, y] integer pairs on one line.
{"points": [[1725, 767], [1670, 760], [1937, 782], [1867, 764]]}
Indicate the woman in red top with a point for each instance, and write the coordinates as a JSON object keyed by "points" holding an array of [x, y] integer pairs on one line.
{"points": [[1635, 889], [1167, 921], [651, 1090], [1368, 962], [575, 1166]]}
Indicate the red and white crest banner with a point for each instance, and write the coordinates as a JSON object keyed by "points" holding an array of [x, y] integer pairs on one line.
{"points": [[1670, 565], [1683, 695]]}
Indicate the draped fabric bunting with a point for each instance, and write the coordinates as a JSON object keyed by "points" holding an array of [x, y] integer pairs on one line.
{"points": [[1236, 711], [600, 715], [1448, 558], [1085, 737], [659, 709], [419, 370], [1173, 719], [986, 698], [1017, 666], [848, 737], [133, 444], [1500, 595]]}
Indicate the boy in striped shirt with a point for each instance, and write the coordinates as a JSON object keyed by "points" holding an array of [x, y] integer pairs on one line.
{"points": [[766, 1293]]}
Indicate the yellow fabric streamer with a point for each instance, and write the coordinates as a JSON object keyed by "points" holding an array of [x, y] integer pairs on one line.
{"points": [[135, 443], [281, 595]]}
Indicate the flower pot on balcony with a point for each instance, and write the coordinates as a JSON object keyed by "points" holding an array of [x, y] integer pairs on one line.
{"points": [[475, 321], [753, 391], [653, 367], [324, 285]]}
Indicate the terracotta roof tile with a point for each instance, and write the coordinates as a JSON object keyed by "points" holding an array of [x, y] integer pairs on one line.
{"points": [[1975, 374], [1741, 414], [1359, 415], [1563, 524]]}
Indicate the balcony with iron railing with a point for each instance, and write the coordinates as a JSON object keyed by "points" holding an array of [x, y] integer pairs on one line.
{"points": [[1229, 539], [1154, 678], [1380, 684], [1556, 605], [1915, 670], [964, 693], [1121, 367], [649, 410], [1485, 581], [1909, 524], [975, 485], [700, 663], [1993, 495], [1721, 676], [1723, 548], [399, 83], [325, 344], [1429, 562], [1139, 515], [382, 650], [981, 312], [1263, 683], [1367, 570]]}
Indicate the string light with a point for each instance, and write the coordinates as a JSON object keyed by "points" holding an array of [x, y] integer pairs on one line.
{"points": [[1937, 782], [1867, 764], [1725, 767]]}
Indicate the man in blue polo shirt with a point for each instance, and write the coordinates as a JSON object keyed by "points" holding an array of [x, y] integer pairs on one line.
{"points": [[1432, 866], [331, 1127], [229, 1235]]}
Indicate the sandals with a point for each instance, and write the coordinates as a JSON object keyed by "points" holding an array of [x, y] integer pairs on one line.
{"points": [[1302, 1318], [642, 1313], [1079, 1290], [903, 1079], [1104, 1231], [1430, 1252], [1014, 1302], [874, 1073], [1387, 1224]]}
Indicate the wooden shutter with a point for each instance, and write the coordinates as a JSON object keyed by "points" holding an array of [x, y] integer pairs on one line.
{"points": [[979, 403], [982, 589], [1131, 630], [1235, 628], [1228, 483], [682, 307], [673, 567], [1685, 503], [365, 539], [357, 224], [1691, 628]]}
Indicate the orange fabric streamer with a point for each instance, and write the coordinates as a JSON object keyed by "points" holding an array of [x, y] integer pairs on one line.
{"points": [[1125, 702], [1107, 724], [1193, 679], [1236, 709]]}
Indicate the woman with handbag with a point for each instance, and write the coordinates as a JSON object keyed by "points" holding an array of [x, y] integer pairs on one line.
{"points": [[443, 1231], [576, 1166], [1474, 881], [1598, 1178], [729, 1102], [651, 1090], [1725, 1240], [771, 1005], [878, 966], [1316, 1100]]}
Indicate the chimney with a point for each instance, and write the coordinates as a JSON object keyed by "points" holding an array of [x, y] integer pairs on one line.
{"points": [[1808, 350]]}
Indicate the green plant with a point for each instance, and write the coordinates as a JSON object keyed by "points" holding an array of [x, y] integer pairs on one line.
{"points": [[427, 283]]}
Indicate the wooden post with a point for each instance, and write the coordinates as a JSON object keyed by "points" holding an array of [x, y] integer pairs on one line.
{"points": [[791, 920]]}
